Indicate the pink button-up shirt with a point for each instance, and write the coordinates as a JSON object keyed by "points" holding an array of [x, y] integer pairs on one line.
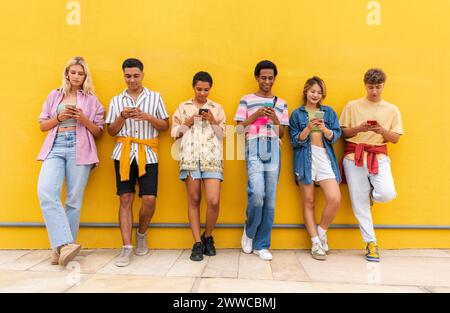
{"points": [[86, 150]]}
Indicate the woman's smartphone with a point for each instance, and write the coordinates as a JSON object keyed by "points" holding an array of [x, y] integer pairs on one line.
{"points": [[200, 111], [319, 115], [372, 122], [71, 108]]}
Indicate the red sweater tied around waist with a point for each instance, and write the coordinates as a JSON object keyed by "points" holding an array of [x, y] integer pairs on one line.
{"points": [[358, 150]]}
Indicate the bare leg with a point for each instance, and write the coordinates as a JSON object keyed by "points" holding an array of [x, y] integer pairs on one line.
{"points": [[212, 190], [308, 208], [194, 192], [332, 193], [126, 217], [146, 212]]}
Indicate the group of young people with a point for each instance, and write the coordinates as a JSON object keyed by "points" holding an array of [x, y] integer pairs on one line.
{"points": [[74, 118]]}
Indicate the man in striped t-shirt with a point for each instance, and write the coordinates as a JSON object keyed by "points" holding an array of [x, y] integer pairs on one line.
{"points": [[264, 117], [135, 117]]}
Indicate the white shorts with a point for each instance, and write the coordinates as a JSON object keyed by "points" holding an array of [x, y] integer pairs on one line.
{"points": [[321, 164]]}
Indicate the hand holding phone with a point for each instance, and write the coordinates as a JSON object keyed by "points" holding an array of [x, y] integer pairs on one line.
{"points": [[71, 109], [319, 115], [128, 111]]}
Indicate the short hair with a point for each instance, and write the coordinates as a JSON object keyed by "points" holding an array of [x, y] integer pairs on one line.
{"points": [[130, 63], [311, 82], [266, 64], [202, 77], [374, 76]]}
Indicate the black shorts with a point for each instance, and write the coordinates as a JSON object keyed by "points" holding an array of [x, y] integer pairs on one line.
{"points": [[148, 184]]}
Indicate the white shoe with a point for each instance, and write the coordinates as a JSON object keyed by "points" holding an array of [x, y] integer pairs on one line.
{"points": [[317, 252], [324, 242], [264, 254], [124, 258], [246, 243], [141, 244]]}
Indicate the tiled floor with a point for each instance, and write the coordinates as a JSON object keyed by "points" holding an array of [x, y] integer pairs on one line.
{"points": [[230, 271]]}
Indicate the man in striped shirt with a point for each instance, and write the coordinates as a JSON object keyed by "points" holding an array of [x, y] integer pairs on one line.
{"points": [[264, 118], [136, 117]]}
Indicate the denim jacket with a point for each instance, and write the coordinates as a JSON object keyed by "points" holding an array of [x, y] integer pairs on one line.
{"points": [[302, 149]]}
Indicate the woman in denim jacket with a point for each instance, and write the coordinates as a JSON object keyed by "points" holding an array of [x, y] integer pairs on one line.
{"points": [[314, 128]]}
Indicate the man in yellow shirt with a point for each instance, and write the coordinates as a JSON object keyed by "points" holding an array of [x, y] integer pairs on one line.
{"points": [[368, 124]]}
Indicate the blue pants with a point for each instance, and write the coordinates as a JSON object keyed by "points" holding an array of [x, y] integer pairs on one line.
{"points": [[263, 170], [62, 223]]}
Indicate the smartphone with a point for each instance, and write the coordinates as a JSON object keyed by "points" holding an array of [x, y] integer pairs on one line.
{"points": [[319, 115], [71, 106], [372, 122], [268, 105], [130, 108], [200, 111]]}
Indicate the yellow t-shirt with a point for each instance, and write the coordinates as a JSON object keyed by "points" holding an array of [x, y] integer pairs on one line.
{"points": [[358, 111]]}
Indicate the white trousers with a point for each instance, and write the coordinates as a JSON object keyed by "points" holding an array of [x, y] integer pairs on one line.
{"points": [[363, 186]]}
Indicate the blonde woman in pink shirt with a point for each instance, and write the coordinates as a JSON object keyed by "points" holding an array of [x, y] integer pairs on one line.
{"points": [[73, 118]]}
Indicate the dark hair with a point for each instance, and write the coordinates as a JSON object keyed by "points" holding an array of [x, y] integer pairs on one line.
{"points": [[130, 63], [374, 76], [265, 65], [311, 82], [202, 77]]}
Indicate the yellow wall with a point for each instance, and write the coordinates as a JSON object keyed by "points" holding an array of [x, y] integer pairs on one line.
{"points": [[332, 39]]}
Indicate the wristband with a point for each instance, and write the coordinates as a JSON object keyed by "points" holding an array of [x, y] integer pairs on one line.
{"points": [[57, 118], [121, 114]]}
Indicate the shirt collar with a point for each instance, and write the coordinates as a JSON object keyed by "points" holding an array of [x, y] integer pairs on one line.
{"points": [[145, 91], [321, 108], [208, 102], [81, 91]]}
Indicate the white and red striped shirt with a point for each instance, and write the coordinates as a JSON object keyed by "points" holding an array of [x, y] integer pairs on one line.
{"points": [[249, 104]]}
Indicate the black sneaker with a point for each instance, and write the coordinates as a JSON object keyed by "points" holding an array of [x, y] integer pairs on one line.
{"points": [[197, 252], [208, 245]]}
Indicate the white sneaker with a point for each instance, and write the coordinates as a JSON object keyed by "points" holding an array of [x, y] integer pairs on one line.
{"points": [[246, 243], [318, 252], [324, 242], [124, 258], [141, 244], [264, 254]]}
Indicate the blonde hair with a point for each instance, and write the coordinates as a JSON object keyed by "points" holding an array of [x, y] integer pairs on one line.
{"points": [[88, 86], [311, 82]]}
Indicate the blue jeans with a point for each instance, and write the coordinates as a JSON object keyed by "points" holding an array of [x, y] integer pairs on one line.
{"points": [[200, 175], [62, 224], [263, 170]]}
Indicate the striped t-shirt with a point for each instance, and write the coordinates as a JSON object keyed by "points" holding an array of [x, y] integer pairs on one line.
{"points": [[263, 127], [149, 102]]}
